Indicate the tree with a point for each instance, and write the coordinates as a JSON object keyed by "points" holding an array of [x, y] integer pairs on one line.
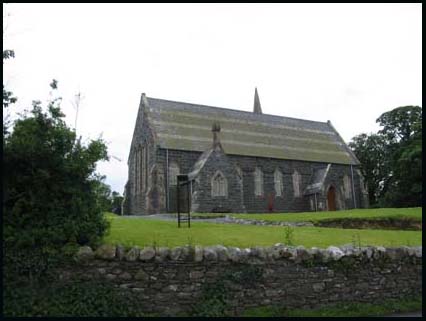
{"points": [[50, 197], [117, 200], [391, 159], [8, 97], [402, 127], [372, 153], [401, 124], [103, 192]]}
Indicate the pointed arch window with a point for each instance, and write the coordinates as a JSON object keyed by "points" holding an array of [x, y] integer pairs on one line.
{"points": [[138, 169], [173, 173], [145, 172], [278, 182], [258, 182], [142, 167], [297, 182], [239, 174], [347, 186], [134, 170], [219, 185]]}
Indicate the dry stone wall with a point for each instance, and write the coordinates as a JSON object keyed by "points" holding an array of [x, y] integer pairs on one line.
{"points": [[176, 280]]}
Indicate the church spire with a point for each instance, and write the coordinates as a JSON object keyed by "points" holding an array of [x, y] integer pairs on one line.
{"points": [[257, 109]]}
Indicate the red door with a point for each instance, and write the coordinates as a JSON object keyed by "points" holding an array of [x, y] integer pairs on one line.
{"points": [[331, 198]]}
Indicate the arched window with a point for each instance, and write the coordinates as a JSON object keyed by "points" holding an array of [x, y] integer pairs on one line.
{"points": [[219, 185], [137, 169], [146, 172], [173, 173], [134, 170], [347, 186], [278, 182], [297, 182], [258, 182], [142, 167], [239, 174]]}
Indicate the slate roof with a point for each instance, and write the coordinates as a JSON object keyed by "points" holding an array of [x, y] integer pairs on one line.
{"points": [[185, 126]]}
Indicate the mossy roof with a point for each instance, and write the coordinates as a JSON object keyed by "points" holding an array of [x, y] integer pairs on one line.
{"points": [[185, 126]]}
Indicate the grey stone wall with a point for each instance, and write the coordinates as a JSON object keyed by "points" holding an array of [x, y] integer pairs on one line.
{"points": [[285, 203], [175, 280], [144, 200], [202, 187], [159, 197]]}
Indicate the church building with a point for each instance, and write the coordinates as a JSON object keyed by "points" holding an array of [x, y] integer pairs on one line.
{"points": [[238, 161]]}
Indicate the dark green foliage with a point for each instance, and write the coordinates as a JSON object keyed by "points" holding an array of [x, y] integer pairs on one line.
{"points": [[74, 300], [116, 202], [403, 129], [387, 307], [391, 160], [50, 197], [401, 124], [372, 153], [103, 192], [8, 97]]}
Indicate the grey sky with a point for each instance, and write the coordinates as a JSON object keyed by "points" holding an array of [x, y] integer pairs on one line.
{"points": [[347, 63]]}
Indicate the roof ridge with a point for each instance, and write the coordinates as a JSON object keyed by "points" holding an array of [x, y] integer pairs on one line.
{"points": [[242, 111]]}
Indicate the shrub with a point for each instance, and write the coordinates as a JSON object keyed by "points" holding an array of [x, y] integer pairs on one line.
{"points": [[50, 198], [82, 299]]}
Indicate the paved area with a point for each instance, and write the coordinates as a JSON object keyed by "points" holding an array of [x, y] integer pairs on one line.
{"points": [[171, 217]]}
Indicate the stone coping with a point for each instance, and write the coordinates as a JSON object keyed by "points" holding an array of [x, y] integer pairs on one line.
{"points": [[220, 253]]}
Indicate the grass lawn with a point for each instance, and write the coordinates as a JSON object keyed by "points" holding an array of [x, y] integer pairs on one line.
{"points": [[343, 309], [414, 212], [143, 232]]}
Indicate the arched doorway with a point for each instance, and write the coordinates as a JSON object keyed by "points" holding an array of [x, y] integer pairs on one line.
{"points": [[331, 198]]}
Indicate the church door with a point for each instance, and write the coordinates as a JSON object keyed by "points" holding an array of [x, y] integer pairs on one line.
{"points": [[331, 199]]}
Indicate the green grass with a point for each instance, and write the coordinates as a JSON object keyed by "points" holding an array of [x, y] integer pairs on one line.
{"points": [[342, 309], [143, 232], [414, 212]]}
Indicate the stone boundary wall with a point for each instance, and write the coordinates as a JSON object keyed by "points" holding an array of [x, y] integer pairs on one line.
{"points": [[177, 280], [348, 223]]}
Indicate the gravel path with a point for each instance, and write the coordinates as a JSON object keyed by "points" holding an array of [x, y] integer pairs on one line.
{"points": [[223, 220], [171, 217]]}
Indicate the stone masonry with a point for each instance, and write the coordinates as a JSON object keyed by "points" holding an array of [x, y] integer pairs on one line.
{"points": [[168, 132], [173, 280]]}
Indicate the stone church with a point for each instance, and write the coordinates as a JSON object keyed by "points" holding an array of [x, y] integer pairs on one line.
{"points": [[238, 161]]}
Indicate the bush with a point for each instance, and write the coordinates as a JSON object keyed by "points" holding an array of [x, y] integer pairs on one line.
{"points": [[82, 299], [50, 198]]}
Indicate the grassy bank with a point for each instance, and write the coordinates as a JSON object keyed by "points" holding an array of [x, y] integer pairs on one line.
{"points": [[142, 232], [378, 213], [343, 309]]}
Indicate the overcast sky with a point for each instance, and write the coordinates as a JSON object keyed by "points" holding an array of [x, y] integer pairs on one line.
{"points": [[347, 63]]}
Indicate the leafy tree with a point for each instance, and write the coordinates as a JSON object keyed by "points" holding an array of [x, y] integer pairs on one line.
{"points": [[391, 159], [50, 197], [402, 128], [372, 153], [8, 97], [117, 200], [103, 192], [401, 124]]}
